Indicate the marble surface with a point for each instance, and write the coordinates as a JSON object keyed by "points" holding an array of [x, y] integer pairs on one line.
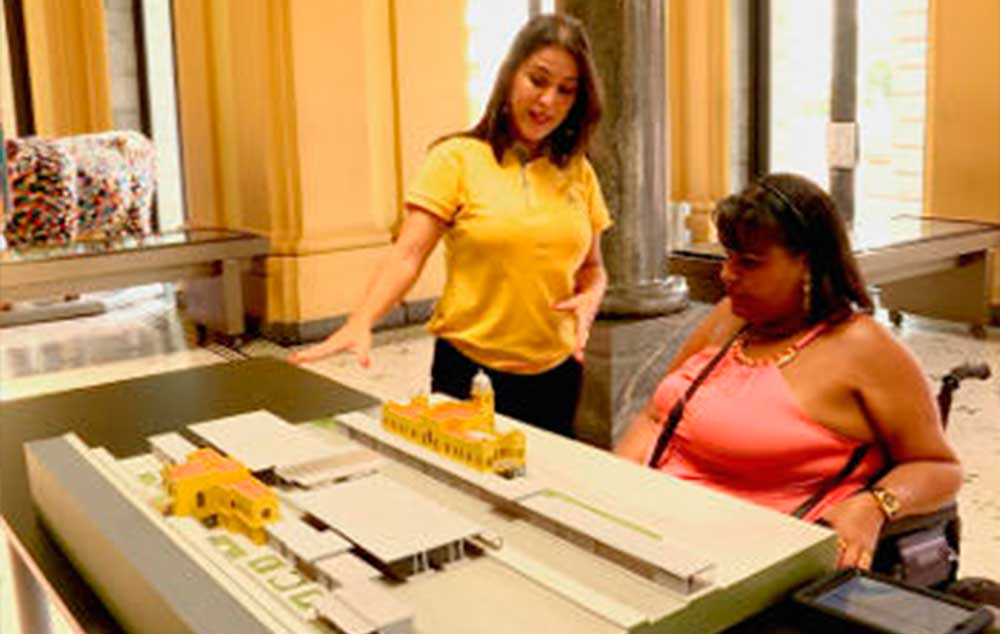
{"points": [[625, 359], [149, 335]]}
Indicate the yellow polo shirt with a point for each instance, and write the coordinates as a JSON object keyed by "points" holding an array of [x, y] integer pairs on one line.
{"points": [[516, 236]]}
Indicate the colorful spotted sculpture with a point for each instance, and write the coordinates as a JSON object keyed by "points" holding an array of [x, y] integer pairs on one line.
{"points": [[87, 187]]}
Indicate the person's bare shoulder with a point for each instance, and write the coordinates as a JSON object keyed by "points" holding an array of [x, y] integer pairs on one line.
{"points": [[861, 331], [869, 348]]}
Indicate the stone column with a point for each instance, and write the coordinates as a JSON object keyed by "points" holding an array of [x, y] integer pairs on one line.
{"points": [[633, 341], [629, 153]]}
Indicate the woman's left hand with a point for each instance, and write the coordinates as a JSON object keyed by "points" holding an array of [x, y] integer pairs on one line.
{"points": [[858, 521], [584, 306]]}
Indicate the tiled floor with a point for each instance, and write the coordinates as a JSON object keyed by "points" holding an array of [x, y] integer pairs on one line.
{"points": [[148, 336]]}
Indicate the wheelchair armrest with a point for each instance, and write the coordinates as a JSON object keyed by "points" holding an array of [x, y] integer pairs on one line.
{"points": [[921, 550], [910, 523]]}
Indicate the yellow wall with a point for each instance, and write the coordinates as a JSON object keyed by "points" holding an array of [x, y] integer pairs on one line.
{"points": [[236, 114], [431, 44], [301, 121], [698, 89], [962, 176], [8, 120], [962, 160], [68, 64], [431, 41]]}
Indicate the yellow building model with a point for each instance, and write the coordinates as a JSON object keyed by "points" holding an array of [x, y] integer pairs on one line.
{"points": [[461, 430], [212, 487]]}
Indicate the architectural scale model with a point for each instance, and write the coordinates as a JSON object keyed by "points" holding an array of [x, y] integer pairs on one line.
{"points": [[370, 541], [292, 454], [333, 585], [170, 448], [402, 532], [351, 511], [213, 488], [574, 517], [463, 431]]}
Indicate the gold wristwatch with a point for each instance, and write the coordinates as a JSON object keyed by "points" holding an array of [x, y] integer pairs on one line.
{"points": [[887, 501]]}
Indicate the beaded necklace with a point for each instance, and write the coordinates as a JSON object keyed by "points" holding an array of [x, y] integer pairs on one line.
{"points": [[780, 358]]}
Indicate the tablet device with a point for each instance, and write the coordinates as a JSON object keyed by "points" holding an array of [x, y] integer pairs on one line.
{"points": [[853, 600]]}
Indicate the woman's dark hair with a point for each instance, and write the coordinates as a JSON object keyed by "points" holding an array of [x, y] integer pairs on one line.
{"points": [[795, 213], [573, 134]]}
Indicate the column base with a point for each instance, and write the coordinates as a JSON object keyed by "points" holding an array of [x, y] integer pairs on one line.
{"points": [[625, 360], [649, 299]]}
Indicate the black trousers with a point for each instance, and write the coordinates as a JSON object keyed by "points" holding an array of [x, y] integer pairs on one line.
{"points": [[547, 400]]}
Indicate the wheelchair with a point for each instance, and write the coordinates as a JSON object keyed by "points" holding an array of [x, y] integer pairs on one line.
{"points": [[923, 550]]}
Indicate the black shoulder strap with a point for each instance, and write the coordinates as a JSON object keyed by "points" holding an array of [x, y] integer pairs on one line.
{"points": [[852, 463], [674, 417]]}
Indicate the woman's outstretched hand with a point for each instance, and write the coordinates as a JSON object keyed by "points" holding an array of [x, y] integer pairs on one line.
{"points": [[584, 306], [858, 521], [353, 337]]}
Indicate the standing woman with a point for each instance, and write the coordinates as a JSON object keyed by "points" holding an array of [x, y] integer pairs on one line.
{"points": [[521, 212]]}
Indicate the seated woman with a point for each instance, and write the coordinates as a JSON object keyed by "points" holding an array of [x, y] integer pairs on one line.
{"points": [[810, 398]]}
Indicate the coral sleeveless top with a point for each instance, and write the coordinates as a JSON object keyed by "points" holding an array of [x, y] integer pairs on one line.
{"points": [[744, 433]]}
